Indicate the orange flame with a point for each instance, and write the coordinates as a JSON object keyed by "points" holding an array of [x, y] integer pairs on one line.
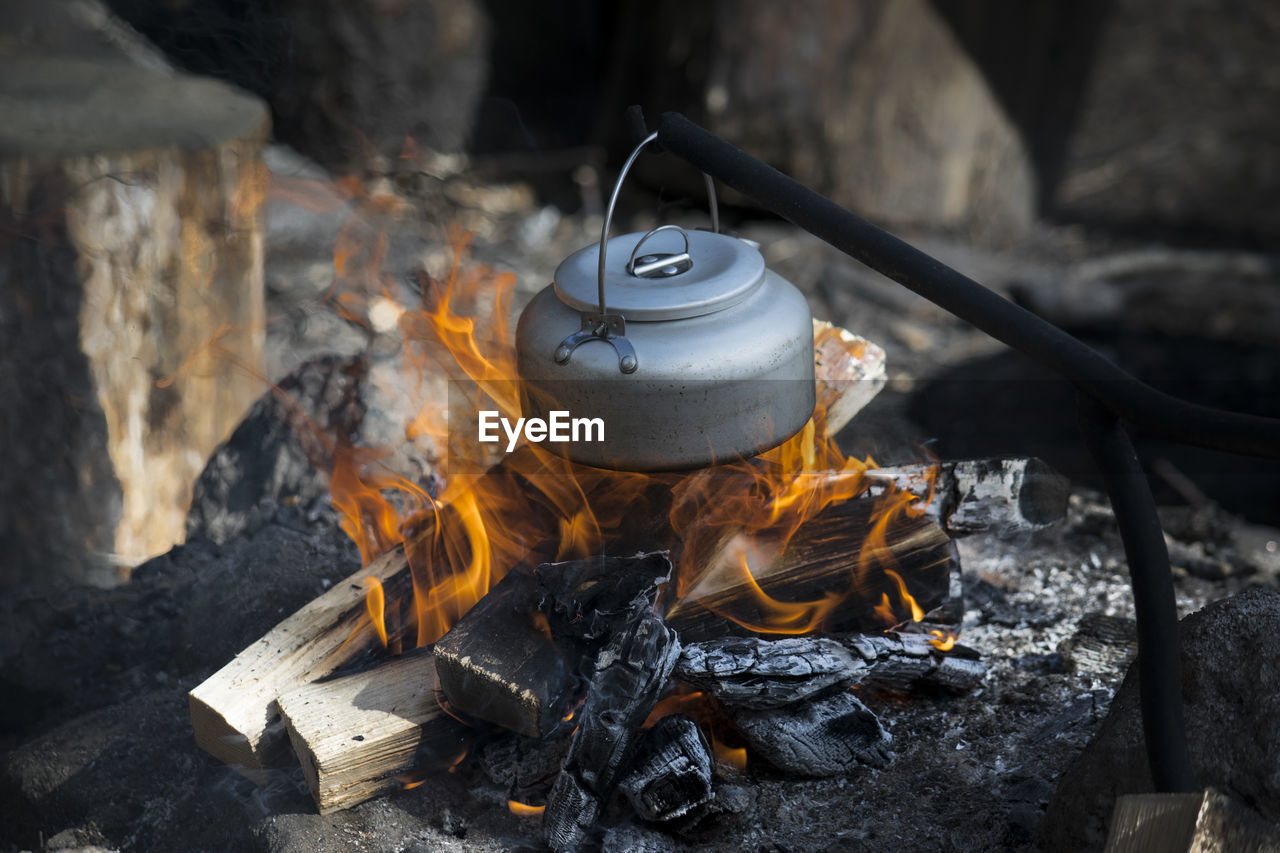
{"points": [[944, 641], [524, 809], [375, 601], [735, 757]]}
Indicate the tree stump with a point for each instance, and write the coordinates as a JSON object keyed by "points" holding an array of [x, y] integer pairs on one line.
{"points": [[131, 314]]}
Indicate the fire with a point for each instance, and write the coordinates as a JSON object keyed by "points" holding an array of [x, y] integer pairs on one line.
{"points": [[524, 809], [735, 757], [944, 641], [729, 523]]}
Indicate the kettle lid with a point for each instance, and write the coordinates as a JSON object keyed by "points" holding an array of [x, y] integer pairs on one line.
{"points": [[665, 274]]}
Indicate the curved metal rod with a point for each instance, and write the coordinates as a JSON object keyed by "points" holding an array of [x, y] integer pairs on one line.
{"points": [[712, 202], [1109, 395]]}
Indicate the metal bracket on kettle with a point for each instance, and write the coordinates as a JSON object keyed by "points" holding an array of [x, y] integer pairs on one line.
{"points": [[611, 328]]}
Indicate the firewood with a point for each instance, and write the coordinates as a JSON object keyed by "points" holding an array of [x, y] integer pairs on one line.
{"points": [[1000, 496], [594, 598], [500, 663], [132, 258], [748, 672], [354, 735], [903, 661], [850, 373], [823, 559], [631, 672], [234, 711], [671, 775], [829, 737], [757, 674]]}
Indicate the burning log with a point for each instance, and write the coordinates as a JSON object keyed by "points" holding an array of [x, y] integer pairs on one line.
{"points": [[131, 252], [234, 711], [823, 563], [755, 674], [829, 737], [984, 495], [500, 663], [631, 673], [671, 775], [902, 661], [355, 734]]}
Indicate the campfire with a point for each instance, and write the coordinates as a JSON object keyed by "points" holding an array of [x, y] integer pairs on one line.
{"points": [[580, 634]]}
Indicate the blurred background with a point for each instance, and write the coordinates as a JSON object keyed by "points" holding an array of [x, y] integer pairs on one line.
{"points": [[1113, 165]]}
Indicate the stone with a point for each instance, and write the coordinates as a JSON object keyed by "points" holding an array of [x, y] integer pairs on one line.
{"points": [[1230, 669]]}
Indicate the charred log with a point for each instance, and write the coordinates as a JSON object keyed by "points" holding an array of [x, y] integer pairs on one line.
{"points": [[829, 737], [748, 672], [902, 661], [499, 662], [592, 599], [525, 767], [757, 674], [631, 673], [671, 775]]}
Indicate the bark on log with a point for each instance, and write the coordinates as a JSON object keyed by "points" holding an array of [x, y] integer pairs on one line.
{"points": [[748, 672], [1001, 496], [132, 317], [353, 735], [756, 674], [671, 776]]}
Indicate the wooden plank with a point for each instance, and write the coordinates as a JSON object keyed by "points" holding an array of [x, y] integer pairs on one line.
{"points": [[234, 711], [355, 735]]}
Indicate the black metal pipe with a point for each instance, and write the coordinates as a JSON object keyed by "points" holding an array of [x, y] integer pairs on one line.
{"points": [[1134, 401], [1159, 660], [1107, 394]]}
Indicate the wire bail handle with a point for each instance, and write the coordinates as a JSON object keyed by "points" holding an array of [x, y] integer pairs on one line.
{"points": [[611, 328]]}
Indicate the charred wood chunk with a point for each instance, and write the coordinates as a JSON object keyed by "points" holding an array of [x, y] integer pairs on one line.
{"points": [[592, 599], [1001, 496], [749, 672], [900, 661], [671, 775], [500, 663], [631, 672], [525, 767], [829, 737]]}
